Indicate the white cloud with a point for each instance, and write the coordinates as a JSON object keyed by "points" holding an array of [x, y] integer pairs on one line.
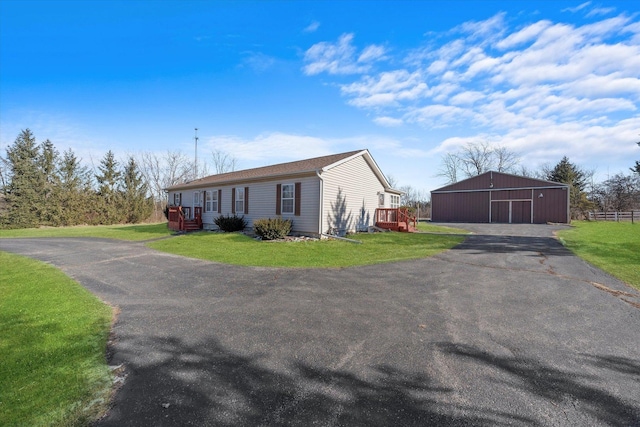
{"points": [[340, 57], [387, 89], [485, 30], [258, 61], [577, 8], [388, 121], [312, 28], [544, 89], [525, 35], [599, 11], [372, 53], [272, 145]]}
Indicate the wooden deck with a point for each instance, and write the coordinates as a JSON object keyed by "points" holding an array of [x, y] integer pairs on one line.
{"points": [[396, 219], [180, 218]]}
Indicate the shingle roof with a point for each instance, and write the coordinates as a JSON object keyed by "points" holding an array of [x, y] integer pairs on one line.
{"points": [[290, 168]]}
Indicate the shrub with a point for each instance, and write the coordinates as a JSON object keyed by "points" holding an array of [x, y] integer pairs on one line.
{"points": [[272, 228], [231, 223]]}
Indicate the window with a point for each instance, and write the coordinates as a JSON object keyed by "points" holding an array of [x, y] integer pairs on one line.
{"points": [[177, 199], [196, 198], [288, 198], [211, 201], [381, 199], [239, 200], [395, 201], [207, 201], [214, 201]]}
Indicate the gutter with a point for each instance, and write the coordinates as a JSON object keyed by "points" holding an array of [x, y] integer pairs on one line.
{"points": [[321, 207]]}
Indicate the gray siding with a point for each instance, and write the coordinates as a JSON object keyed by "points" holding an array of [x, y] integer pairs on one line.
{"points": [[350, 196], [262, 202]]}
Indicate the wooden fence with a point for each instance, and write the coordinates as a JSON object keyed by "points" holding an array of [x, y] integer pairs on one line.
{"points": [[615, 216]]}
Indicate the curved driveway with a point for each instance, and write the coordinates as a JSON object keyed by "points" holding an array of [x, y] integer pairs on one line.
{"points": [[508, 328]]}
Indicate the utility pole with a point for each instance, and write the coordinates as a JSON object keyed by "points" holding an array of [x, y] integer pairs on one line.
{"points": [[196, 163]]}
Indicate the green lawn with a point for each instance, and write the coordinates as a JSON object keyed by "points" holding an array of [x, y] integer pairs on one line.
{"points": [[431, 228], [121, 232], [238, 249], [53, 336], [611, 246]]}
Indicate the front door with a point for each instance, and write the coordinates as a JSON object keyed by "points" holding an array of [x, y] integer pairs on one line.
{"points": [[196, 202]]}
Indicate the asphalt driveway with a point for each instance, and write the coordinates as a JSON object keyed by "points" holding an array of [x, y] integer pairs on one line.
{"points": [[508, 328]]}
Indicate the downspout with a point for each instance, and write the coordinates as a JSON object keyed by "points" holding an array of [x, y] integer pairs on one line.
{"points": [[321, 207]]}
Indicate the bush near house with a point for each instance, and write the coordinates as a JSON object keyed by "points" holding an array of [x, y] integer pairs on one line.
{"points": [[272, 228], [231, 223]]}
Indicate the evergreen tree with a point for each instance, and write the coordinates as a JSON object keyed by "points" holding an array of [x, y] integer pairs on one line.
{"points": [[636, 168], [49, 186], [134, 191], [23, 195], [110, 207], [75, 192], [568, 173]]}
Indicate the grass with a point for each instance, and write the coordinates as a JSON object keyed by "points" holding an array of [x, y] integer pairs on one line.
{"points": [[120, 232], [238, 249], [431, 228], [52, 348], [612, 246]]}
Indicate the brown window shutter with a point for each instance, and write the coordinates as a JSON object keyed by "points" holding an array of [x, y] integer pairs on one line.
{"points": [[233, 200], [279, 199], [220, 201], [297, 196], [246, 200]]}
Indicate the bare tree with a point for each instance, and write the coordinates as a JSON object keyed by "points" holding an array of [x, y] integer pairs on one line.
{"points": [[476, 159], [223, 162], [162, 171], [450, 168], [392, 181], [505, 160]]}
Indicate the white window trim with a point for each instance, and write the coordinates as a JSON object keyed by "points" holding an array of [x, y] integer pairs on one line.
{"points": [[207, 201], [239, 199], [292, 198], [214, 201], [394, 201]]}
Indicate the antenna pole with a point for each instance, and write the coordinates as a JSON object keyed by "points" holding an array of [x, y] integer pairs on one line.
{"points": [[196, 139]]}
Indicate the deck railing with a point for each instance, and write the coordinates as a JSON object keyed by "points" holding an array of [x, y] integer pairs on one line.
{"points": [[176, 218], [394, 218], [179, 215]]}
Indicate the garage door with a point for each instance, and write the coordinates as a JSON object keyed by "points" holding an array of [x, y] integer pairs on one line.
{"points": [[511, 211]]}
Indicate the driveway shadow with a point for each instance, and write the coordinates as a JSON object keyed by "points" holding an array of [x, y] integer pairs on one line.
{"points": [[208, 384], [559, 386]]}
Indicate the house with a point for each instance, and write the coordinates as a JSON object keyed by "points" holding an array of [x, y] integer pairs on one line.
{"points": [[504, 198], [332, 194]]}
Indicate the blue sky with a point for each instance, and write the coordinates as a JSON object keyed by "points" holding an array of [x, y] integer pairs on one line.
{"points": [[272, 81]]}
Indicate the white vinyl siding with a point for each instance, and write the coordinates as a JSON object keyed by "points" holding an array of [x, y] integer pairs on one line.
{"points": [[262, 202], [351, 196]]}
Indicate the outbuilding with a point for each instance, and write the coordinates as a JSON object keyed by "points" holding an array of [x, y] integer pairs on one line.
{"points": [[496, 197]]}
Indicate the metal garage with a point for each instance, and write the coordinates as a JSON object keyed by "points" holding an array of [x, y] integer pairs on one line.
{"points": [[503, 198]]}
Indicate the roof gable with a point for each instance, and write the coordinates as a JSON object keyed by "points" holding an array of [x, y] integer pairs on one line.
{"points": [[497, 180], [282, 169]]}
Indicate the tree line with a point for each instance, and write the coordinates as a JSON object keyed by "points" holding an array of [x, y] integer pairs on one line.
{"points": [[41, 187], [620, 192]]}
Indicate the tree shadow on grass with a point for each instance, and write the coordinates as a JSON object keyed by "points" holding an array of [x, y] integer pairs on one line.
{"points": [[207, 384]]}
